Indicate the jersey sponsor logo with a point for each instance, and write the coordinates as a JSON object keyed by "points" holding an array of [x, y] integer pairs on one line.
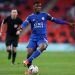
{"points": [[38, 25]]}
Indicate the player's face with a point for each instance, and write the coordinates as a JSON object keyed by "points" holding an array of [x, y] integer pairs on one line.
{"points": [[37, 7], [14, 13]]}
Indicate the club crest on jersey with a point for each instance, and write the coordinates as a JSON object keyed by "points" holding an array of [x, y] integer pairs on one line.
{"points": [[43, 18], [15, 26]]}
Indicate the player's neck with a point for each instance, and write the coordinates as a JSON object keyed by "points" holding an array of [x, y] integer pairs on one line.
{"points": [[37, 12], [13, 17]]}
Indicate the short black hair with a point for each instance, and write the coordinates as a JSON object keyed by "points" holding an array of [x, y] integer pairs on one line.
{"points": [[36, 2]]}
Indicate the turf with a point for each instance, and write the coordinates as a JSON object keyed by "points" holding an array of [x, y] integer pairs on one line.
{"points": [[49, 63]]}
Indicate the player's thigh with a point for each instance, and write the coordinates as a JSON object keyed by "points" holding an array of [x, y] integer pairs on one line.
{"points": [[8, 42], [14, 49], [8, 48], [32, 44], [42, 44], [15, 42]]}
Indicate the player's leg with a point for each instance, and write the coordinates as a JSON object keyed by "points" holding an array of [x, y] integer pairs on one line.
{"points": [[29, 53], [30, 49], [42, 44], [13, 55], [15, 44], [8, 46], [42, 47], [9, 51]]}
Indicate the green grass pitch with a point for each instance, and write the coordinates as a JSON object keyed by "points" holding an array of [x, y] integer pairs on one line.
{"points": [[49, 63]]}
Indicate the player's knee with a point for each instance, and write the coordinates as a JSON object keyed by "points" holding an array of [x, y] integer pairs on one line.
{"points": [[42, 47], [30, 51], [8, 48], [14, 49]]}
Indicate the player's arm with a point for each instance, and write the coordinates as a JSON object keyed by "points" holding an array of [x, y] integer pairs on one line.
{"points": [[23, 25], [20, 21], [58, 21], [1, 27], [3, 22]]}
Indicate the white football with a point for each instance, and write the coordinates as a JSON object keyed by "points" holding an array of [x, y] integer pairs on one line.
{"points": [[34, 69]]}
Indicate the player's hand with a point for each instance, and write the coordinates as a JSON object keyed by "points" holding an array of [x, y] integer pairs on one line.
{"points": [[72, 24], [18, 32]]}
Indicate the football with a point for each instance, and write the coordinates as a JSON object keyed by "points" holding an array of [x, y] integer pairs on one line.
{"points": [[34, 69]]}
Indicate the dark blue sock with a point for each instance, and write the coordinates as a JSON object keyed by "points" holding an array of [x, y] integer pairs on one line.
{"points": [[30, 63], [34, 55]]}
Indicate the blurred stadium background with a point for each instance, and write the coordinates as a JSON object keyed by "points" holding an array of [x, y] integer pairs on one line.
{"points": [[60, 37]]}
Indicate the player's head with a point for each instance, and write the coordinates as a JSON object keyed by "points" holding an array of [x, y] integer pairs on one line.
{"points": [[37, 6], [14, 13]]}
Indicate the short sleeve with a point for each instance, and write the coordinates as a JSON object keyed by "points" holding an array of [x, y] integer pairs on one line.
{"points": [[27, 19], [26, 22], [6, 20], [20, 21], [49, 17]]}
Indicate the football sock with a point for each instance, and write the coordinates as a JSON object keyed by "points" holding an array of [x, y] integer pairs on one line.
{"points": [[9, 54], [34, 55], [30, 62], [13, 57]]}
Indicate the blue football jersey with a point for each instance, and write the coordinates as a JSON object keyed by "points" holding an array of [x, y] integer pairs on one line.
{"points": [[38, 22]]}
